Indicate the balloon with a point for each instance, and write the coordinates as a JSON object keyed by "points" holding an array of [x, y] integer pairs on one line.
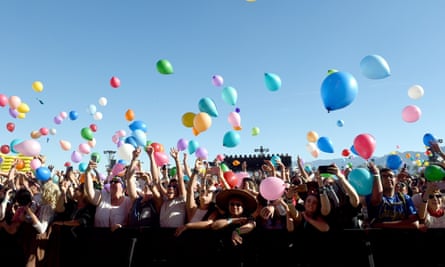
{"points": [[93, 127], [73, 115], [3, 100], [35, 134], [415, 92], [187, 119], [52, 131], [35, 163], [20, 164], [353, 150], [28, 147], [43, 173], [92, 143], [224, 167], [86, 133], [83, 166], [273, 81], [13, 112], [325, 144], [428, 139], [193, 145], [231, 178], [161, 158], [240, 176], [115, 82], [58, 119], [235, 120], [98, 116], [255, 131], [312, 136], [140, 137], [345, 152], [231, 139], [92, 109], [164, 67], [411, 113], [236, 163], [362, 181], [14, 102], [10, 126], [103, 101], [311, 147], [364, 144], [172, 172], [274, 160], [217, 80], [76, 156], [138, 125], [201, 122], [129, 115], [5, 149], [394, 162], [23, 108], [338, 90], [207, 105], [132, 141], [118, 169], [44, 131], [434, 173], [272, 188], [84, 148], [201, 153], [374, 67], [65, 145], [125, 151], [340, 123], [182, 144], [157, 147], [220, 157], [229, 95], [330, 71]]}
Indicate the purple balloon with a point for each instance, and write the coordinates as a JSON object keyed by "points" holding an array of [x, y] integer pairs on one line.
{"points": [[58, 119], [182, 144], [14, 113], [217, 80], [76, 156], [201, 153]]}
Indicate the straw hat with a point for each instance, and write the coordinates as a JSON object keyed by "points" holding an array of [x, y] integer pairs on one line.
{"points": [[249, 200]]}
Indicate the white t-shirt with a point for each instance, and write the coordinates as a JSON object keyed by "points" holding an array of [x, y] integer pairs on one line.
{"points": [[108, 215], [173, 213]]}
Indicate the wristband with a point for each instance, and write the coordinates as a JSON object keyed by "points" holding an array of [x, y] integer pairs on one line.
{"points": [[238, 231], [229, 221]]}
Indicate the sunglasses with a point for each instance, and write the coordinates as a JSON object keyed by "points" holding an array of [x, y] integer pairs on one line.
{"points": [[438, 196], [235, 204]]}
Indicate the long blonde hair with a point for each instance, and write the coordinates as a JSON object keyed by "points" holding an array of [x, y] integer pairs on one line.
{"points": [[50, 193]]}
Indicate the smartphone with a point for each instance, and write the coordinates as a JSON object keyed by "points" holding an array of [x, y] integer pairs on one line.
{"points": [[324, 169]]}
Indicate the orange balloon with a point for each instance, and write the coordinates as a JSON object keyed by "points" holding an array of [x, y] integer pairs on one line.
{"points": [[20, 164], [312, 136], [129, 115], [35, 134], [82, 178], [202, 122]]}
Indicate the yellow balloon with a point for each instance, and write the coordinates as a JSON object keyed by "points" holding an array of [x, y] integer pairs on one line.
{"points": [[23, 108], [21, 115], [37, 86], [201, 122], [312, 136], [187, 119]]}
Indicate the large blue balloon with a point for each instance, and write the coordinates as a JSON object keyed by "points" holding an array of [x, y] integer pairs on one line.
{"points": [[207, 105], [338, 90], [43, 173], [325, 144], [362, 181], [135, 125], [394, 162], [231, 139], [428, 139], [374, 67]]}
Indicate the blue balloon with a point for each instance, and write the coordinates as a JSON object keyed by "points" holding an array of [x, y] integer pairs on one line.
{"points": [[394, 162], [83, 166], [192, 146], [273, 81], [132, 141], [374, 67], [338, 90], [428, 139], [274, 160], [362, 181], [135, 125], [340, 123], [207, 105], [325, 144], [73, 115], [229, 95], [354, 151], [43, 173], [231, 139]]}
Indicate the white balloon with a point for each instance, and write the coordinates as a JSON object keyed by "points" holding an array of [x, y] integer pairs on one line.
{"points": [[125, 151], [98, 116], [415, 92], [52, 131], [103, 101]]}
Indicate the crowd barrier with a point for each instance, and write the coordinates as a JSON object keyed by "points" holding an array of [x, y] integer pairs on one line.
{"points": [[76, 246]]}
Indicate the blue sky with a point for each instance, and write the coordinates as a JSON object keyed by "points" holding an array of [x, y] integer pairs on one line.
{"points": [[74, 48]]}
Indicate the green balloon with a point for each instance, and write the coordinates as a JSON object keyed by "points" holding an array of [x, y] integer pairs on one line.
{"points": [[95, 157], [434, 173], [172, 172], [164, 66], [224, 167], [87, 133]]}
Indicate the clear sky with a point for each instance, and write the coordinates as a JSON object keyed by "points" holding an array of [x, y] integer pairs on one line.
{"points": [[75, 47]]}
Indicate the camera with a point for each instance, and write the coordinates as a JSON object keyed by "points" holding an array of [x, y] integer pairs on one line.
{"points": [[326, 169]]}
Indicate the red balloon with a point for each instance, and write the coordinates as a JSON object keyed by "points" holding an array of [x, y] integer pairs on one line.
{"points": [[231, 178], [5, 149], [115, 82], [157, 147], [10, 126], [44, 131], [364, 144], [67, 164], [345, 152], [93, 127]]}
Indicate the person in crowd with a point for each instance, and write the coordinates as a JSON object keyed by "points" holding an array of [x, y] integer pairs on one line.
{"points": [[386, 207], [112, 207], [235, 221], [431, 211]]}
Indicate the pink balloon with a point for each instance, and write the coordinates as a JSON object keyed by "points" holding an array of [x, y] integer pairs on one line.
{"points": [[235, 120], [3, 100], [411, 113], [35, 164], [63, 115], [220, 157], [118, 169], [84, 148], [65, 145], [272, 188], [161, 158], [364, 145], [240, 176], [201, 153], [217, 80], [29, 148], [14, 102]]}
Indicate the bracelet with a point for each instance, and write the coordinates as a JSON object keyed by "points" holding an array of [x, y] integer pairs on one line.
{"points": [[238, 231], [229, 221]]}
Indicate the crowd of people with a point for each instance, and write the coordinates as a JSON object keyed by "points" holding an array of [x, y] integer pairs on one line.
{"points": [[197, 197]]}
